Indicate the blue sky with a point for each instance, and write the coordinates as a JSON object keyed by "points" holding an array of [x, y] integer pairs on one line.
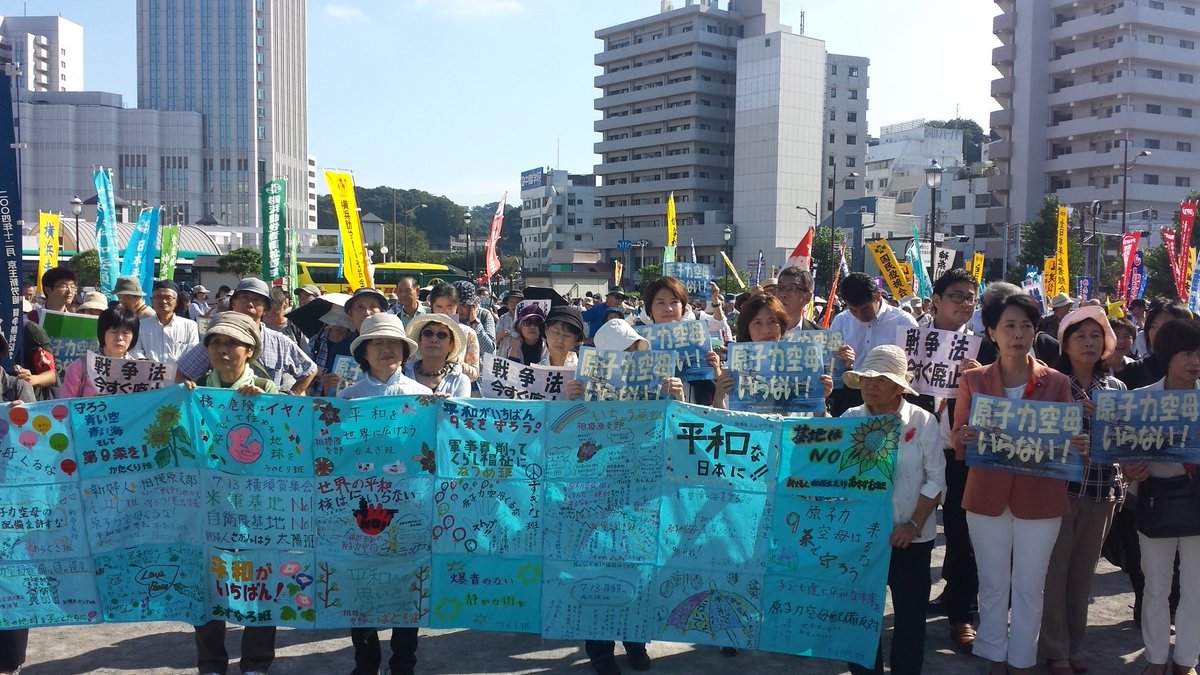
{"points": [[457, 97]]}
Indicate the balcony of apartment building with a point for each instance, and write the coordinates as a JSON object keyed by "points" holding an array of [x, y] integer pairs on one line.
{"points": [[999, 183], [682, 61], [998, 150], [1002, 87], [661, 113], [666, 161], [1003, 26], [996, 214], [647, 45], [1110, 16], [693, 134], [665, 185], [1004, 54], [662, 89], [1001, 119]]}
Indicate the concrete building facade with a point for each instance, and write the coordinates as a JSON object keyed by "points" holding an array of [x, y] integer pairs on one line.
{"points": [[557, 210], [1084, 86], [243, 66], [49, 50], [846, 103]]}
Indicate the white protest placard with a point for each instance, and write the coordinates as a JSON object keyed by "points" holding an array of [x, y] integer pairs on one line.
{"points": [[126, 376], [935, 358], [503, 378]]}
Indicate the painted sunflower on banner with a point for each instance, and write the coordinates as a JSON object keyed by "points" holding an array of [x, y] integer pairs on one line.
{"points": [[873, 445]]}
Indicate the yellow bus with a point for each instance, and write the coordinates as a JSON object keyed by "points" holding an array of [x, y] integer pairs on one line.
{"points": [[387, 275]]}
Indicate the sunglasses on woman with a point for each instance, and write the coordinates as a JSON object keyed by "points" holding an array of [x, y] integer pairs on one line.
{"points": [[430, 333]]}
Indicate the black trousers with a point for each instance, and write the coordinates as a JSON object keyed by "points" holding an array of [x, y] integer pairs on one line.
{"points": [[909, 583], [598, 649], [13, 644], [368, 655], [258, 648], [958, 567]]}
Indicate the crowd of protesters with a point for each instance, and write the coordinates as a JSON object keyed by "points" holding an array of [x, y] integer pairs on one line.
{"points": [[1020, 551]]}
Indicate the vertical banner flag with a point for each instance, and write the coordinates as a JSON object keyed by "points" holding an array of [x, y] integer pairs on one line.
{"points": [[1194, 294], [758, 270], [802, 255], [977, 267], [672, 231], [293, 266], [1168, 237], [618, 270], [1191, 264], [923, 284], [694, 258], [889, 268], [141, 250], [1061, 267], [491, 259], [10, 215], [106, 231], [169, 257], [1050, 275], [828, 315], [274, 223], [48, 224], [733, 270], [354, 252], [1129, 246], [1187, 221], [1085, 288]]}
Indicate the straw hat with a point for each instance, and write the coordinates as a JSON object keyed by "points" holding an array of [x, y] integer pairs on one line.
{"points": [[381, 326], [883, 361], [460, 338], [94, 300], [1060, 300], [1097, 314]]}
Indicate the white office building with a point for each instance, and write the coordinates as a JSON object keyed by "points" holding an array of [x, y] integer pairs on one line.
{"points": [[846, 83], [243, 66], [49, 50], [1085, 88], [557, 209]]}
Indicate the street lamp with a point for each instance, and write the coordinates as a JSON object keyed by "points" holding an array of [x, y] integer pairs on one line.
{"points": [[384, 251], [933, 179], [76, 208], [408, 216], [833, 223], [1125, 185], [470, 251], [727, 234]]}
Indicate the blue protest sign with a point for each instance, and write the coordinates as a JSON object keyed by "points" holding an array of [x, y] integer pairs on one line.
{"points": [[624, 376], [1026, 437], [776, 377], [831, 340], [688, 339], [1146, 426], [695, 277]]}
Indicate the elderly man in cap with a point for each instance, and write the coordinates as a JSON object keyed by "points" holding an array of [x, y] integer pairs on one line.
{"points": [[282, 360], [306, 293], [1060, 306], [165, 336], [199, 306], [594, 315], [131, 296], [472, 316]]}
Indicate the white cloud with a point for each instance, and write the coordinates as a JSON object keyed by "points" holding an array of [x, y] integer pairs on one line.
{"points": [[346, 12], [472, 8]]}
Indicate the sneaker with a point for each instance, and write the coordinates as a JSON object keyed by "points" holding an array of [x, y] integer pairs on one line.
{"points": [[606, 665], [729, 651], [638, 659], [963, 636]]}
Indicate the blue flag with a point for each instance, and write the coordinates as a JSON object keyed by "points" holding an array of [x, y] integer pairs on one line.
{"points": [[922, 286], [106, 232], [10, 214], [142, 249]]}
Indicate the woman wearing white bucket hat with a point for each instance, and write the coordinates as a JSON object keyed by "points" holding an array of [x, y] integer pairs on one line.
{"points": [[919, 481]]}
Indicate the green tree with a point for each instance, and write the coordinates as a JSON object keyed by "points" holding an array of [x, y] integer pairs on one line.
{"points": [[1039, 239], [86, 266], [1161, 280], [647, 275], [241, 262], [824, 258], [973, 136]]}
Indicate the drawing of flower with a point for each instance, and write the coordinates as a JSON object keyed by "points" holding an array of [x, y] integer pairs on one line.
{"points": [[587, 450], [303, 601], [305, 580], [426, 458], [873, 446], [168, 438], [157, 437], [329, 414], [322, 466], [291, 568]]}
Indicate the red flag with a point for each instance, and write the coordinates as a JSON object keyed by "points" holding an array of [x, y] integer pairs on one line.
{"points": [[828, 315], [1168, 237], [1129, 246], [491, 260], [802, 255]]}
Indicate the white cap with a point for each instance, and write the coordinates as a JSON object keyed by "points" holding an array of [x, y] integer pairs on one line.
{"points": [[617, 335]]}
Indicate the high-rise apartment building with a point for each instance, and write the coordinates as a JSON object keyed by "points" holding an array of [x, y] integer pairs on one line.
{"points": [[1078, 80], [243, 66], [48, 48], [556, 215], [846, 84], [724, 108]]}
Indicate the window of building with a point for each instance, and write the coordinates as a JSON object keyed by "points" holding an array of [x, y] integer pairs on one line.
{"points": [[851, 162], [851, 139], [1154, 108], [1183, 146], [851, 117], [833, 92], [868, 185], [1150, 178], [852, 71], [832, 139], [1154, 74], [260, 41], [1183, 181], [832, 161], [1154, 39], [1156, 4], [1187, 44], [958, 202], [853, 94], [1190, 11], [832, 115], [1185, 112], [259, 23], [850, 184], [1151, 143], [1186, 78], [883, 182], [833, 69]]}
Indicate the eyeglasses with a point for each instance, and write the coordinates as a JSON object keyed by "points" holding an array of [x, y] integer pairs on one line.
{"points": [[63, 288], [781, 289], [430, 333], [960, 298]]}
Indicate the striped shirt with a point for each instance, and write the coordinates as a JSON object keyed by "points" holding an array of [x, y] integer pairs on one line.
{"points": [[281, 359]]}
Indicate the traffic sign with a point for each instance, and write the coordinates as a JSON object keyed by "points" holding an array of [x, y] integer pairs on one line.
{"points": [[624, 245]]}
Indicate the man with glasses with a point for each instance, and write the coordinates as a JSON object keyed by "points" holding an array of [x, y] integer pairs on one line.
{"points": [[867, 322], [795, 291], [59, 284], [165, 336]]}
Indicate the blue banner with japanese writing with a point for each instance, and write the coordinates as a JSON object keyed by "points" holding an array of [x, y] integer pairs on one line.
{"points": [[688, 339], [651, 520], [831, 341], [1026, 437], [1146, 426], [10, 218], [694, 276], [776, 377], [624, 376]]}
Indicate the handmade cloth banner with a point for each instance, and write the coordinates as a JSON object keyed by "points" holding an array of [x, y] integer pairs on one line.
{"points": [[1061, 266], [695, 277], [1050, 275], [1146, 426], [830, 341], [355, 266], [48, 224], [138, 260], [935, 358], [1026, 437], [644, 521], [274, 222], [688, 339], [889, 268], [71, 335], [106, 232], [1085, 288], [10, 218], [1129, 245], [127, 376], [169, 256], [502, 378], [776, 377], [624, 376]]}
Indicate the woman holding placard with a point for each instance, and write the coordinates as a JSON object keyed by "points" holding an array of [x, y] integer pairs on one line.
{"points": [[1013, 518], [667, 302], [1087, 339], [117, 331], [919, 481], [1168, 495]]}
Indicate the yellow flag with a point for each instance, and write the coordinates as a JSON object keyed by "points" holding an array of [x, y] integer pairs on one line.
{"points": [[906, 268], [48, 224], [1049, 276], [977, 267], [355, 266], [733, 271], [889, 267], [672, 233], [618, 270], [1062, 271], [1191, 268]]}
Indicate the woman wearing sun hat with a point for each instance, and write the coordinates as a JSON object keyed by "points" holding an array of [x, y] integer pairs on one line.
{"points": [[381, 350], [441, 343], [919, 481]]}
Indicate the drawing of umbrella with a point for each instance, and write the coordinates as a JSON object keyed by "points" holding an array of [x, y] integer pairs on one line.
{"points": [[715, 610]]}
